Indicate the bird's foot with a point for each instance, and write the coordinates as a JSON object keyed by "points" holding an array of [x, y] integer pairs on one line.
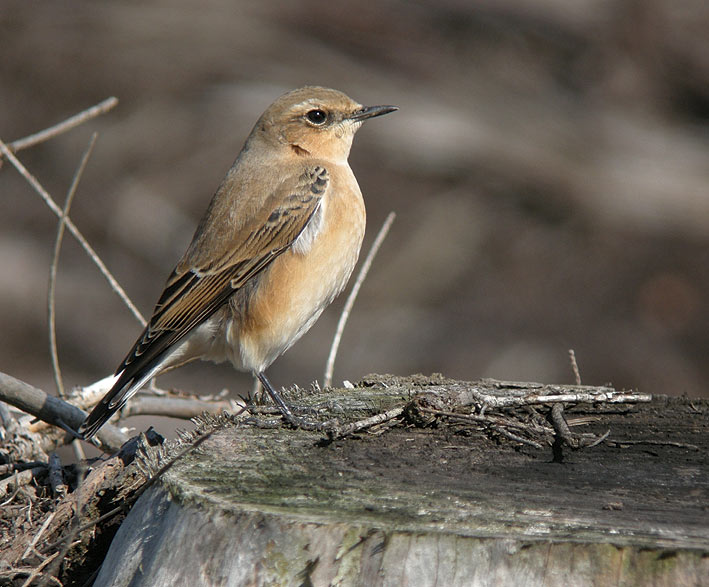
{"points": [[303, 423]]}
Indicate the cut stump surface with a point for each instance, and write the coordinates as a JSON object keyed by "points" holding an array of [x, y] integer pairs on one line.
{"points": [[446, 504]]}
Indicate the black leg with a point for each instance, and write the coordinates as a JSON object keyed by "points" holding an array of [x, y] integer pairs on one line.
{"points": [[277, 399], [283, 407]]}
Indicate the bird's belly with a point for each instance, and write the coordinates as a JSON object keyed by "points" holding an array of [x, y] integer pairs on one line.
{"points": [[293, 292]]}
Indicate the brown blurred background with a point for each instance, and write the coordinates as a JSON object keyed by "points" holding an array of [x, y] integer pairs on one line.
{"points": [[549, 167]]}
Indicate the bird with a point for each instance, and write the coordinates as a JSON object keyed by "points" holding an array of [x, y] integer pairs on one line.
{"points": [[277, 243]]}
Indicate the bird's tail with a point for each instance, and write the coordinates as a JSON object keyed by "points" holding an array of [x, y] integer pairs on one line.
{"points": [[123, 389]]}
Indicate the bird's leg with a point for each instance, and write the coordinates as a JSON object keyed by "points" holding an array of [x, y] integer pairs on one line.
{"points": [[288, 415], [277, 399]]}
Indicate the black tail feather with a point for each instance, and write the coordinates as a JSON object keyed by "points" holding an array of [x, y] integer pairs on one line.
{"points": [[123, 389], [99, 415]]}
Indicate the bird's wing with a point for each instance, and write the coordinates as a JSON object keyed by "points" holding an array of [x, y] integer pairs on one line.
{"points": [[223, 257], [203, 281]]}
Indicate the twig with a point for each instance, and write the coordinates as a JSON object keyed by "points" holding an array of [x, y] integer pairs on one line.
{"points": [[11, 468], [74, 231], [79, 454], [492, 420], [21, 478], [31, 545], [35, 572], [561, 427], [176, 407], [533, 394], [654, 442], [381, 235], [554, 394], [51, 306], [68, 124], [598, 440], [614, 397], [516, 438], [127, 504], [340, 431], [53, 410], [56, 475], [575, 367]]}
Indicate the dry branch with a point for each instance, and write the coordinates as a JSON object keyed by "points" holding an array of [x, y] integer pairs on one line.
{"points": [[500, 394], [68, 124], [526, 413], [177, 407], [54, 411], [359, 425], [74, 231], [51, 314], [56, 475], [105, 474], [19, 479], [521, 411]]}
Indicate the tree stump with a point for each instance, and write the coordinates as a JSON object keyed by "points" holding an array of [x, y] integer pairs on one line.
{"points": [[432, 499]]}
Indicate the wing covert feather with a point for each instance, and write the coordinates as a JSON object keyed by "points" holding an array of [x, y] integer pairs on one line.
{"points": [[194, 292]]}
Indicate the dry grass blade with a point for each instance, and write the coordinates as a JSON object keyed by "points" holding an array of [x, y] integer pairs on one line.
{"points": [[53, 268], [361, 276]]}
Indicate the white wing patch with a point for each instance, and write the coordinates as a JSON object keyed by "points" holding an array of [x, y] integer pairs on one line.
{"points": [[307, 237]]}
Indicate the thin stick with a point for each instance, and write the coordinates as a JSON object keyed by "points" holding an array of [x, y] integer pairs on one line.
{"points": [[68, 124], [575, 366], [74, 231], [56, 476], [22, 478], [654, 442], [128, 503], [54, 410], [35, 572], [79, 454], [51, 306], [561, 427], [44, 526], [177, 407], [340, 431], [517, 438], [330, 366]]}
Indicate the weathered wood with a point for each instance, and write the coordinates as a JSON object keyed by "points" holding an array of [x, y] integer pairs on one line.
{"points": [[441, 505], [111, 482]]}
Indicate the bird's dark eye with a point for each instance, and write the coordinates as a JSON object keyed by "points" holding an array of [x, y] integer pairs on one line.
{"points": [[316, 116]]}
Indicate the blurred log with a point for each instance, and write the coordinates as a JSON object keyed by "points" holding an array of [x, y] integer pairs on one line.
{"points": [[435, 505]]}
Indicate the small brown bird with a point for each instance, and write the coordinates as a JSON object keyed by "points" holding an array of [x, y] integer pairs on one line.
{"points": [[277, 243]]}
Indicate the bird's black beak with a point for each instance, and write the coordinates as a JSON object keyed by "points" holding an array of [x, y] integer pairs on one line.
{"points": [[371, 112]]}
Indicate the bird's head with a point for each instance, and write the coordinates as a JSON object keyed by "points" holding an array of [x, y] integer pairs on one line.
{"points": [[315, 121]]}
